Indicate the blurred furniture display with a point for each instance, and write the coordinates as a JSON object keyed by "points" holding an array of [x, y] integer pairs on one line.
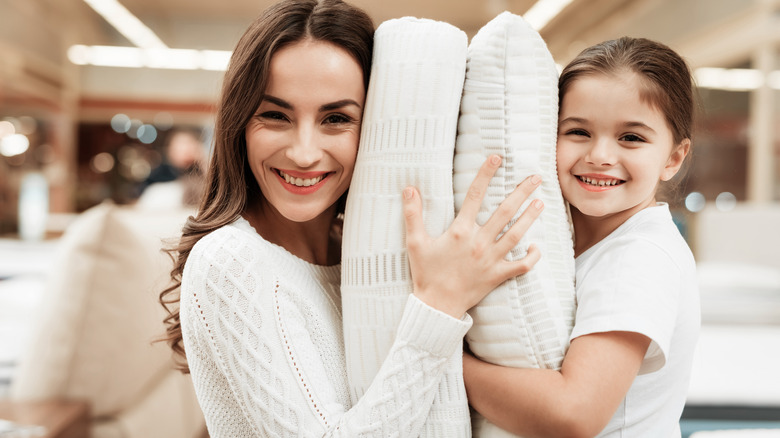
{"points": [[735, 384], [94, 330], [51, 419]]}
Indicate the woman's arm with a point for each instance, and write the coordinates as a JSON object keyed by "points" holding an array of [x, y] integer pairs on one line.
{"points": [[456, 270], [255, 342], [577, 401]]}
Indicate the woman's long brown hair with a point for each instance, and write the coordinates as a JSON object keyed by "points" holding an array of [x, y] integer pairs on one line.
{"points": [[230, 186]]}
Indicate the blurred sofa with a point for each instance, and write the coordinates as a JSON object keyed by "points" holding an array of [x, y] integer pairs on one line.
{"points": [[738, 261], [93, 334]]}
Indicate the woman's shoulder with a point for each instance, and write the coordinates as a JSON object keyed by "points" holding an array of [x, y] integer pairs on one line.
{"points": [[230, 237]]}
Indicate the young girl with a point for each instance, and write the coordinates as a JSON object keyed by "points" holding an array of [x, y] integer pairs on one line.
{"points": [[259, 311], [624, 128]]}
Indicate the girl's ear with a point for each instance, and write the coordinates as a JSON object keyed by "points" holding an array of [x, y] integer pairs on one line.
{"points": [[676, 160]]}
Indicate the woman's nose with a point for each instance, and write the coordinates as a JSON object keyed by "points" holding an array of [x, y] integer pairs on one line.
{"points": [[601, 153], [306, 149]]}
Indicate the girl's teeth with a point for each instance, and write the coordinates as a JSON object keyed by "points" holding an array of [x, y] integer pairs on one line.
{"points": [[600, 183]]}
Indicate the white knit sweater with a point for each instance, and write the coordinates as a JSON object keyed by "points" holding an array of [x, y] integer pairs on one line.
{"points": [[263, 334]]}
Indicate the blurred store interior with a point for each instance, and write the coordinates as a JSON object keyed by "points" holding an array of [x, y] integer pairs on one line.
{"points": [[97, 97]]}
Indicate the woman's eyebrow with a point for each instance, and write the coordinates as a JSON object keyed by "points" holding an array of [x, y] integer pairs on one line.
{"points": [[339, 104], [278, 102]]}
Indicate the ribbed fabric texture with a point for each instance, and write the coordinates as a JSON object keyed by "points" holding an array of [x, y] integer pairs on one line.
{"points": [[408, 136], [510, 108], [263, 335]]}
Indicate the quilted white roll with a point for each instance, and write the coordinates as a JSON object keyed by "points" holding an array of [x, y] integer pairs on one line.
{"points": [[407, 139], [510, 108]]}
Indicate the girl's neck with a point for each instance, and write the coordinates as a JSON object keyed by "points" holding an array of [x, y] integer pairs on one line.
{"points": [[590, 230], [311, 241]]}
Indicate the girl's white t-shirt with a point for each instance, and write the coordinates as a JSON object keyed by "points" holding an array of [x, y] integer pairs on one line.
{"points": [[642, 278]]}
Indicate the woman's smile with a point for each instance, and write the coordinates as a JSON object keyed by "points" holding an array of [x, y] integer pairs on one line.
{"points": [[302, 183]]}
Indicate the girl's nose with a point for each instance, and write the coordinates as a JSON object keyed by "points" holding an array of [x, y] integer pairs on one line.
{"points": [[306, 149], [601, 153]]}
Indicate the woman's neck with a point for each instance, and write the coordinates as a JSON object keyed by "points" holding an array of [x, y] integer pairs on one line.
{"points": [[310, 241]]}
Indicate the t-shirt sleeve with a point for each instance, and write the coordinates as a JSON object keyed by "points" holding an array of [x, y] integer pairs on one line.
{"points": [[633, 286], [248, 323]]}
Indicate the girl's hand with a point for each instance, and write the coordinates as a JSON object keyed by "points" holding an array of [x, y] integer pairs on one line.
{"points": [[454, 271]]}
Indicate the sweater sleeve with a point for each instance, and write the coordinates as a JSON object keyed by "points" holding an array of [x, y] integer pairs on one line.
{"points": [[255, 362]]}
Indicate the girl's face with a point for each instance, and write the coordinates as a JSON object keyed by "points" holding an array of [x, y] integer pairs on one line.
{"points": [[303, 140], [613, 147]]}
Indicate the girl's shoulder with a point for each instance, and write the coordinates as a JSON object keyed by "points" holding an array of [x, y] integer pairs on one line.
{"points": [[649, 238]]}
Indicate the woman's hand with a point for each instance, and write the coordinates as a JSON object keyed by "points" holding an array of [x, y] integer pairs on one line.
{"points": [[454, 271]]}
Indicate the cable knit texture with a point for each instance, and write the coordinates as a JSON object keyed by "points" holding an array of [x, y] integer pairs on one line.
{"points": [[510, 108], [407, 138], [263, 335]]}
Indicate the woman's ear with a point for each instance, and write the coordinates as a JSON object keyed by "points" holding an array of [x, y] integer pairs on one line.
{"points": [[676, 160]]}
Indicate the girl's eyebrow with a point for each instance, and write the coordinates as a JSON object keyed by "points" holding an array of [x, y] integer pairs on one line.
{"points": [[577, 120], [638, 125], [326, 107]]}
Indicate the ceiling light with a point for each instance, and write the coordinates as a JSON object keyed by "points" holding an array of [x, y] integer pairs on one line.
{"points": [[543, 11], [177, 59], [126, 23], [735, 79]]}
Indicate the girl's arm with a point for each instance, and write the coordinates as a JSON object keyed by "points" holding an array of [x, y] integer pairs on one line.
{"points": [[577, 401]]}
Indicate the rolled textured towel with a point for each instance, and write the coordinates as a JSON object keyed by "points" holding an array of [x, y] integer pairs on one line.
{"points": [[407, 139], [510, 108]]}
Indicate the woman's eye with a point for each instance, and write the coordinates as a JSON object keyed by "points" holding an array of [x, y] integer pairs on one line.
{"points": [[337, 119], [273, 115]]}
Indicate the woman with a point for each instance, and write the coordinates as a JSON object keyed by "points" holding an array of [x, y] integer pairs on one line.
{"points": [[259, 307]]}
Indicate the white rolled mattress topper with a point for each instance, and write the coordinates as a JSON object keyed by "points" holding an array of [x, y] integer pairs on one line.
{"points": [[510, 108], [407, 139]]}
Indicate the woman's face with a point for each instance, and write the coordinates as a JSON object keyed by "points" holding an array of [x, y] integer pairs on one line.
{"points": [[303, 139]]}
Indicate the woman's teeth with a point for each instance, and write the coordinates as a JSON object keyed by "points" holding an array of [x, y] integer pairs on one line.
{"points": [[301, 182], [600, 182]]}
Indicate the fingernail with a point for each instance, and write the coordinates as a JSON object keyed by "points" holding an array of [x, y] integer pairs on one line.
{"points": [[537, 204], [408, 193], [495, 159], [536, 179]]}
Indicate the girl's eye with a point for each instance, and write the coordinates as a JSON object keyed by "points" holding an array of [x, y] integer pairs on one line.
{"points": [[633, 138], [581, 132], [337, 119]]}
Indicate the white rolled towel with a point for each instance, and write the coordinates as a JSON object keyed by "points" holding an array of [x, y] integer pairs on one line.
{"points": [[510, 108], [407, 139]]}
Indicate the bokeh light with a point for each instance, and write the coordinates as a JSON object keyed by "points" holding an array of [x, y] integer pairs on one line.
{"points": [[120, 123], [725, 201], [6, 128], [132, 132], [695, 202], [14, 144], [102, 162], [163, 121], [147, 134]]}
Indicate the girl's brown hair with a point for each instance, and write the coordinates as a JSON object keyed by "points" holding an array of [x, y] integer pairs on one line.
{"points": [[230, 186], [666, 76]]}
